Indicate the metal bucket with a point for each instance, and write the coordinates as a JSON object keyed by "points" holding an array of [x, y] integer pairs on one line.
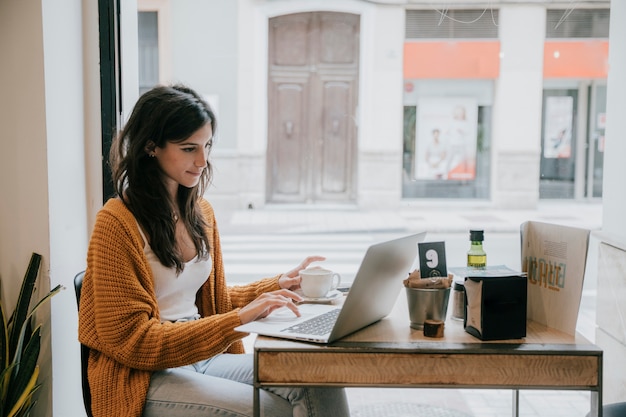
{"points": [[427, 304]]}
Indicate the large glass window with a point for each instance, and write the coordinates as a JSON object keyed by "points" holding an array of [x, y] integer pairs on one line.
{"points": [[558, 144], [429, 111], [447, 139], [429, 167], [448, 101], [595, 138], [148, 50], [572, 141], [452, 24], [574, 104], [577, 23]]}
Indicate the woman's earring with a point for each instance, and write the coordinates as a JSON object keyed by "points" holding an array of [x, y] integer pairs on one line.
{"points": [[152, 155]]}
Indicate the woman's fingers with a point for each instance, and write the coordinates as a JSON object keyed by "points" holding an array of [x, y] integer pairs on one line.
{"points": [[274, 302], [291, 305], [268, 302], [304, 264], [283, 298], [291, 279], [288, 294], [309, 260], [289, 283]]}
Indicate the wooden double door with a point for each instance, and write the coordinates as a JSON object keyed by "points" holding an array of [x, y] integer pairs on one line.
{"points": [[312, 101]]}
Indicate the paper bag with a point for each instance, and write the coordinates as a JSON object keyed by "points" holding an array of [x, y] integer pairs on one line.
{"points": [[554, 258]]}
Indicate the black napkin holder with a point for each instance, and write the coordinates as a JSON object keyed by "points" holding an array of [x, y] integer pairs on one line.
{"points": [[496, 309]]}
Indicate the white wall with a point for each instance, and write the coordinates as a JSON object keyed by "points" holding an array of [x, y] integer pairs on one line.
{"points": [[205, 56], [23, 163], [380, 128], [72, 111], [129, 51], [610, 312], [613, 192], [64, 142], [517, 107]]}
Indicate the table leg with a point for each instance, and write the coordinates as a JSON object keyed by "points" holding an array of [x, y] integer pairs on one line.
{"points": [[256, 399], [256, 403], [596, 405], [515, 403]]}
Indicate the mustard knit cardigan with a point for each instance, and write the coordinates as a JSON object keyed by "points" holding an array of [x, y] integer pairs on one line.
{"points": [[119, 317]]}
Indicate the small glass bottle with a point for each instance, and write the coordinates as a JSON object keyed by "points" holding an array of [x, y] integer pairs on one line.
{"points": [[476, 256]]}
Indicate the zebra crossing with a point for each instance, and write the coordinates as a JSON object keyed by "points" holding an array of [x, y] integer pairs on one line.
{"points": [[248, 257], [251, 256]]}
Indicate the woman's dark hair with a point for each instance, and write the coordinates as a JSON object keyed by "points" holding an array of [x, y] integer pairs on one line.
{"points": [[161, 115]]}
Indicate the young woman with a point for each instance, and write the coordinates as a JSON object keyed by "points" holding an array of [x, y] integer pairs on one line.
{"points": [[155, 309]]}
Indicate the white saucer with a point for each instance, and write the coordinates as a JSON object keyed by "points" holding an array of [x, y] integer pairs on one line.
{"points": [[332, 295]]}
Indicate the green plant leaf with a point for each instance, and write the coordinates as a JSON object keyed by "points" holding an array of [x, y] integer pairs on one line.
{"points": [[28, 330], [21, 377], [4, 386], [24, 404], [4, 340], [23, 303], [20, 347], [52, 293]]}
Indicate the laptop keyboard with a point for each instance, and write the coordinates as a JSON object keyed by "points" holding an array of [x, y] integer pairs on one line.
{"points": [[318, 326]]}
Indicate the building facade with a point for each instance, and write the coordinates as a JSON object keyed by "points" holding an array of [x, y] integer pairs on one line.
{"points": [[338, 102]]}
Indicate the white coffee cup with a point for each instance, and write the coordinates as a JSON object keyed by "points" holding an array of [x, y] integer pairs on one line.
{"points": [[318, 282]]}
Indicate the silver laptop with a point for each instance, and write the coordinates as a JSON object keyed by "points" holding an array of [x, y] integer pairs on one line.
{"points": [[372, 295]]}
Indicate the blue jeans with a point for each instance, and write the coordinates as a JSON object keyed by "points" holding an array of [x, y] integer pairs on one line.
{"points": [[222, 386]]}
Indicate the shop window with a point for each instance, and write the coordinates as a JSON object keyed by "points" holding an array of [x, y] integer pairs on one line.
{"points": [[451, 24], [577, 23], [558, 145], [148, 50], [432, 163]]}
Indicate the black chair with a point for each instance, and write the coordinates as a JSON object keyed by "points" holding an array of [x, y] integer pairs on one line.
{"points": [[84, 350], [613, 410]]}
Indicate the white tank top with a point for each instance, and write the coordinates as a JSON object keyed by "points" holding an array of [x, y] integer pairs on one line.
{"points": [[176, 295]]}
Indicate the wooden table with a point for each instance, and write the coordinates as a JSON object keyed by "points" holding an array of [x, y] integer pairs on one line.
{"points": [[390, 353]]}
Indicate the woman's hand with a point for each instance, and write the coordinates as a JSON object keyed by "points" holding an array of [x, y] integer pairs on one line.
{"points": [[291, 280], [263, 305]]}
